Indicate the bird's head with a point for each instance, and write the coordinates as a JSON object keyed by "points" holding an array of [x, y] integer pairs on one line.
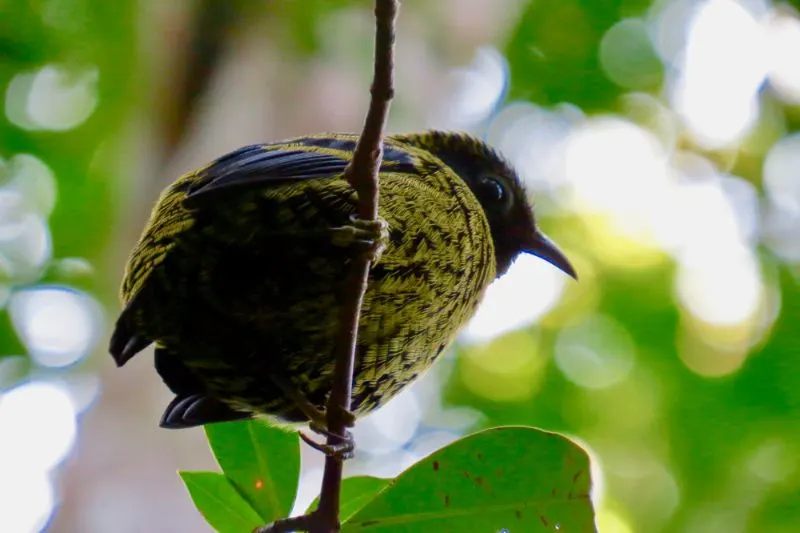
{"points": [[499, 190]]}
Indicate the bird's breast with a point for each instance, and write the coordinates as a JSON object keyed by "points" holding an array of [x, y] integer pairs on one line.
{"points": [[426, 285]]}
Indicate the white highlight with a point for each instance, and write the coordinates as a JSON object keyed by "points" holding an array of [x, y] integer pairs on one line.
{"points": [[533, 139], [24, 236], [596, 354], [478, 89], [721, 286], [391, 427], [27, 501], [58, 326], [724, 66], [530, 289], [37, 422], [783, 42], [60, 99], [781, 178]]}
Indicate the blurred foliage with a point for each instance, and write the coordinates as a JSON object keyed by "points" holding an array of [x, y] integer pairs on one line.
{"points": [[78, 37], [554, 51], [677, 450], [665, 436]]}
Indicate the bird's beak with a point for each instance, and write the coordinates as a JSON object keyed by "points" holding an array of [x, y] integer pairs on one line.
{"points": [[544, 248]]}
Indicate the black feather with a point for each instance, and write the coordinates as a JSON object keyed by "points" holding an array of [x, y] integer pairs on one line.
{"points": [[175, 374], [186, 411], [125, 342], [255, 166]]}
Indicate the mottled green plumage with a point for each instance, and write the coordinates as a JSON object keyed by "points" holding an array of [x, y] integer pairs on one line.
{"points": [[237, 278]]}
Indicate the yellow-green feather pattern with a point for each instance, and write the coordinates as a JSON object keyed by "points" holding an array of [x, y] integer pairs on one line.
{"points": [[426, 285]]}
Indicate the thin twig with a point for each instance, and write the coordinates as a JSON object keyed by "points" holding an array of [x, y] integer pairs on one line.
{"points": [[362, 173]]}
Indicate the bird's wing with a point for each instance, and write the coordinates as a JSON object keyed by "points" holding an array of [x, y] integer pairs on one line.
{"points": [[255, 166]]}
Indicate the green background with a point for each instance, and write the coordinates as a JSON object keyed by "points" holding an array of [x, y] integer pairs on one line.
{"points": [[699, 435]]}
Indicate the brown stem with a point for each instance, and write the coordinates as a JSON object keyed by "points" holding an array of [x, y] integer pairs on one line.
{"points": [[362, 173]]}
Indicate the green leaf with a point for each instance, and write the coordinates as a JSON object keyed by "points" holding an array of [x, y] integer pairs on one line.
{"points": [[262, 462], [357, 491], [220, 503], [510, 479]]}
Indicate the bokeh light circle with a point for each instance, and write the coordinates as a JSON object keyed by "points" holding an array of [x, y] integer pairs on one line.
{"points": [[58, 325], [37, 421], [596, 354]]}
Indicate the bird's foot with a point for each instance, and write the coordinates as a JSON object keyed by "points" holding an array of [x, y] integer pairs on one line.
{"points": [[318, 423], [367, 237], [342, 450]]}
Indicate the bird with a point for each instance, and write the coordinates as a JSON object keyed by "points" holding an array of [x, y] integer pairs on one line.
{"points": [[239, 274]]}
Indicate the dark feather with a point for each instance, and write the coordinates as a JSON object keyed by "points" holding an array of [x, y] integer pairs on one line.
{"points": [[255, 166], [186, 411], [125, 342], [175, 374]]}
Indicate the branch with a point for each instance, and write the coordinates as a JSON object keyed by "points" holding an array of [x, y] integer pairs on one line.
{"points": [[362, 173]]}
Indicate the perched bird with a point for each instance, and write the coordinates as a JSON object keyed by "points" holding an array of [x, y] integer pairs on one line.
{"points": [[239, 274]]}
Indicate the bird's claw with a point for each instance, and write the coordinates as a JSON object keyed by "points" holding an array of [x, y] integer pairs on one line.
{"points": [[343, 450], [318, 422], [368, 237]]}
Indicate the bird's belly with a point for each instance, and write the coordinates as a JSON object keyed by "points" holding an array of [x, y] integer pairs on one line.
{"points": [[246, 315], [404, 326], [394, 348]]}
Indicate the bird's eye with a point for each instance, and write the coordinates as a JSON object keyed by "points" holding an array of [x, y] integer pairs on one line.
{"points": [[491, 191]]}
